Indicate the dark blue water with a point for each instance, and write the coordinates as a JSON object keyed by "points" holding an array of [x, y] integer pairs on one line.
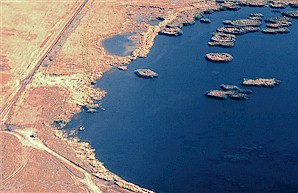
{"points": [[165, 135], [119, 45]]}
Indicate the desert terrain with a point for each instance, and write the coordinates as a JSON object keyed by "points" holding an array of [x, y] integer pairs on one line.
{"points": [[51, 54]]}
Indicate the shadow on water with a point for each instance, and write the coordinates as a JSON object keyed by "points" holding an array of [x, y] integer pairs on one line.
{"points": [[164, 134]]}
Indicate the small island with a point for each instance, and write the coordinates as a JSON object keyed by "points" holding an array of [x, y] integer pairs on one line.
{"points": [[219, 57], [261, 82], [222, 40], [146, 73]]}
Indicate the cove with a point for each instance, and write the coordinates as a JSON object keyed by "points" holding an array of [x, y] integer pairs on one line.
{"points": [[120, 45], [164, 134]]}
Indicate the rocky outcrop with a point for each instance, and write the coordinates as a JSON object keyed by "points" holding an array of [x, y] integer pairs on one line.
{"points": [[219, 57], [292, 14], [261, 82], [146, 73], [243, 22], [222, 40], [205, 20]]}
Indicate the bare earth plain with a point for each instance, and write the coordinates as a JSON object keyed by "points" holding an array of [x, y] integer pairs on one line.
{"points": [[51, 52]]}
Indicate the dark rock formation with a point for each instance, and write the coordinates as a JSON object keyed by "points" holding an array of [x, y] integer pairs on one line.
{"points": [[205, 20], [261, 82], [219, 57], [292, 14], [146, 73]]}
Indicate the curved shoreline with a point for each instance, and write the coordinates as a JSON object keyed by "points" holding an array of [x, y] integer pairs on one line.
{"points": [[83, 149]]}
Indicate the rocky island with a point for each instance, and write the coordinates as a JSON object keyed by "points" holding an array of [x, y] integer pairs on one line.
{"points": [[222, 40], [146, 73], [261, 82], [231, 91], [219, 57]]}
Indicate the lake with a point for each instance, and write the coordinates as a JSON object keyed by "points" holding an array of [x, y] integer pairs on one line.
{"points": [[164, 134]]}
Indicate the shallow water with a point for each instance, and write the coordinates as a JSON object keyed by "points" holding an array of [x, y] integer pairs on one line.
{"points": [[165, 135], [119, 45]]}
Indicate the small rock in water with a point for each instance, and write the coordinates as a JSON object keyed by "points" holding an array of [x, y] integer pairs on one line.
{"points": [[145, 73], [91, 111], [219, 94], [261, 82], [229, 87], [219, 57], [122, 67], [205, 20]]}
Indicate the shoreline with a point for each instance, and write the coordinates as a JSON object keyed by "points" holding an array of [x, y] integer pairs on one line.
{"points": [[83, 150]]}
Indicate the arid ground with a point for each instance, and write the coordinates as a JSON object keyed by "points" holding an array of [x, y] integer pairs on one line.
{"points": [[51, 52]]}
